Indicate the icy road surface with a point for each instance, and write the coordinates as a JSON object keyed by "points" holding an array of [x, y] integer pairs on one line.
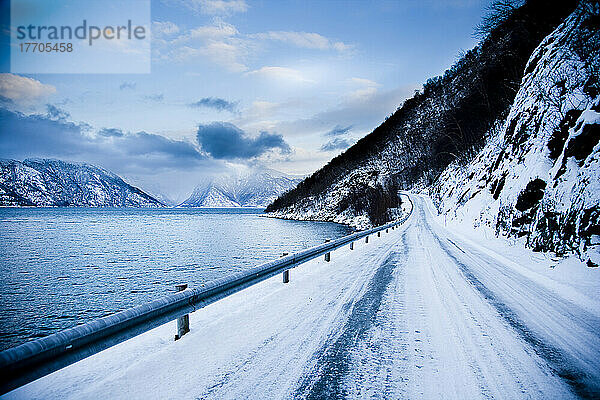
{"points": [[417, 313]]}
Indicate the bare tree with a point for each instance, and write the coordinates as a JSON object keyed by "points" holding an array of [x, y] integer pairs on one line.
{"points": [[497, 12]]}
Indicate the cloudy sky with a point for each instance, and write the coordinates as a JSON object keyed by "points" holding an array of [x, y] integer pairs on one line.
{"points": [[280, 84]]}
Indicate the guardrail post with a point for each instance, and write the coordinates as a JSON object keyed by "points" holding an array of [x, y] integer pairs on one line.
{"points": [[386, 230], [351, 245], [286, 273], [328, 254], [367, 239], [379, 234], [183, 323]]}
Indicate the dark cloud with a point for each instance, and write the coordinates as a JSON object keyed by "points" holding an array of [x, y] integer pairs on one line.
{"points": [[336, 144], [23, 136], [128, 85], [56, 113], [215, 103], [5, 101], [143, 143], [339, 131], [110, 132], [223, 140], [155, 97], [38, 135]]}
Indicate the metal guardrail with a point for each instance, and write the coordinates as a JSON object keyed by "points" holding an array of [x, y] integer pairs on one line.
{"points": [[32, 360]]}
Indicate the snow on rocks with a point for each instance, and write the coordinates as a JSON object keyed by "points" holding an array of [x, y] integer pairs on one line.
{"points": [[538, 176]]}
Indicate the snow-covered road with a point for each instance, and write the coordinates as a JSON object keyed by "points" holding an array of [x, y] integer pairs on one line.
{"points": [[417, 313]]}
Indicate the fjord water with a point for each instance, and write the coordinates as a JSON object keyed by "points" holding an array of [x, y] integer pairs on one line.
{"points": [[60, 267]]}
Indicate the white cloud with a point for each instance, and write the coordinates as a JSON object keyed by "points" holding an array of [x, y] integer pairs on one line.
{"points": [[218, 30], [226, 54], [364, 82], [300, 39], [262, 115], [219, 43], [342, 47], [181, 54], [213, 7], [364, 113], [307, 40], [367, 89], [363, 93], [161, 29], [280, 73], [222, 43], [140, 48], [22, 89], [262, 109], [302, 161]]}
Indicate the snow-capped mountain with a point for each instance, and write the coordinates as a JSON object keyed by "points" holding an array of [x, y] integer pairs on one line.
{"points": [[241, 188], [47, 183]]}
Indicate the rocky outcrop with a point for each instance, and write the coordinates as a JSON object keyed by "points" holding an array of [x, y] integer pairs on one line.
{"points": [[538, 177]]}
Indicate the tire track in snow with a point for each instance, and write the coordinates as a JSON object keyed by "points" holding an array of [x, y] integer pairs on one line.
{"points": [[333, 361], [558, 362], [374, 373], [225, 377]]}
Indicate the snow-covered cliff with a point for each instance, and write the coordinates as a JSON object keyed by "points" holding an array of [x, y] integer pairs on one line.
{"points": [[47, 183], [538, 177], [449, 119], [347, 201], [526, 167]]}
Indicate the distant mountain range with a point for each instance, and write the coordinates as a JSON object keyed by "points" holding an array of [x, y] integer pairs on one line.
{"points": [[55, 183], [243, 188], [47, 183]]}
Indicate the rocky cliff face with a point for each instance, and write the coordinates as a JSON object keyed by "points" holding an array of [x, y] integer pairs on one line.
{"points": [[538, 177], [47, 183]]}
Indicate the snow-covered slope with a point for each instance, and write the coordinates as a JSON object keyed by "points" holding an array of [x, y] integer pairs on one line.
{"points": [[534, 174], [241, 188], [448, 119], [334, 203], [538, 176], [41, 182]]}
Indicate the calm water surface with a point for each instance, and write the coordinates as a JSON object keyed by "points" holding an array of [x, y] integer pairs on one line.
{"points": [[63, 267]]}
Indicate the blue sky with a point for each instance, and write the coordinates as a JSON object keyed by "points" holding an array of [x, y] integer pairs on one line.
{"points": [[281, 84]]}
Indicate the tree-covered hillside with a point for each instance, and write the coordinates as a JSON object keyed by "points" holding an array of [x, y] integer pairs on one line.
{"points": [[447, 120]]}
